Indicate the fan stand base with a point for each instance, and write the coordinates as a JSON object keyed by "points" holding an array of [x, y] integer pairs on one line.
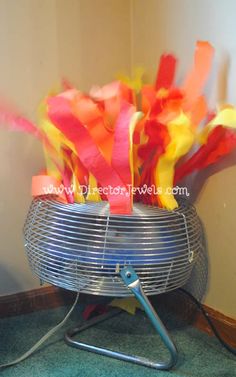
{"points": [[132, 282]]}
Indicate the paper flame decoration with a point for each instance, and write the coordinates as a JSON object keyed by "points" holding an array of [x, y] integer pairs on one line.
{"points": [[101, 140]]}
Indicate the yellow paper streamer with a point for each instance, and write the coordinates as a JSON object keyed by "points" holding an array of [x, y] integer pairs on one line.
{"points": [[225, 117], [129, 304], [136, 81], [182, 138], [93, 194]]}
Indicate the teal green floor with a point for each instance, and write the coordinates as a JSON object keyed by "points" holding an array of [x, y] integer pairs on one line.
{"points": [[200, 355]]}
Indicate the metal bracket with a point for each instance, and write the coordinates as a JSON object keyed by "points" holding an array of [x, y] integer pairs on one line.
{"points": [[132, 282]]}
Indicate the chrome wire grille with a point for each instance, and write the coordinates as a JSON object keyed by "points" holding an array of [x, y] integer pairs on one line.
{"points": [[82, 247]]}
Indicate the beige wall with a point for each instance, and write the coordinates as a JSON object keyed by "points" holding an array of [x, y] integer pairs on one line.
{"points": [[175, 25], [87, 41]]}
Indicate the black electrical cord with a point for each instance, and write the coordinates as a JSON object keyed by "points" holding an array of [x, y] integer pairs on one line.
{"points": [[210, 323]]}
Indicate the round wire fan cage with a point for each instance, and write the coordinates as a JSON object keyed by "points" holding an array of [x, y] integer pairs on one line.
{"points": [[82, 247]]}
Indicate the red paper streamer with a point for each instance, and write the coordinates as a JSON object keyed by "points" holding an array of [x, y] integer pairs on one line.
{"points": [[220, 142], [59, 111], [166, 72]]}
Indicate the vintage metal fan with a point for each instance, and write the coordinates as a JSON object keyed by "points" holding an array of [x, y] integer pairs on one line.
{"points": [[82, 247]]}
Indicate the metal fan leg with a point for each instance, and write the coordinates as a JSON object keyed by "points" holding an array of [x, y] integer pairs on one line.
{"points": [[132, 281]]}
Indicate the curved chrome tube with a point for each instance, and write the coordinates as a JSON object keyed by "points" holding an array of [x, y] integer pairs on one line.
{"points": [[132, 282]]}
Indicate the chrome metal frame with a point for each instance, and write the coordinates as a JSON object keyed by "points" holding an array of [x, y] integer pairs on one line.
{"points": [[85, 248], [82, 247], [132, 282]]}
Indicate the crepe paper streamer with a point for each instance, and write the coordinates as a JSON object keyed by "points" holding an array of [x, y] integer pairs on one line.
{"points": [[134, 121], [112, 90], [137, 137], [68, 174], [94, 309], [52, 146], [136, 81], [199, 111], [64, 171], [127, 94], [226, 144], [78, 192], [89, 113], [123, 144], [129, 304], [93, 192], [60, 113], [148, 98], [66, 84], [50, 154], [158, 139], [221, 141], [44, 185], [86, 109], [16, 122], [61, 160], [110, 97], [70, 178], [98, 140], [168, 105], [166, 72], [80, 171], [181, 140], [147, 180], [197, 77], [125, 163], [105, 92], [136, 166], [67, 183], [59, 157], [225, 117], [217, 141], [80, 178], [19, 123], [196, 161]]}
